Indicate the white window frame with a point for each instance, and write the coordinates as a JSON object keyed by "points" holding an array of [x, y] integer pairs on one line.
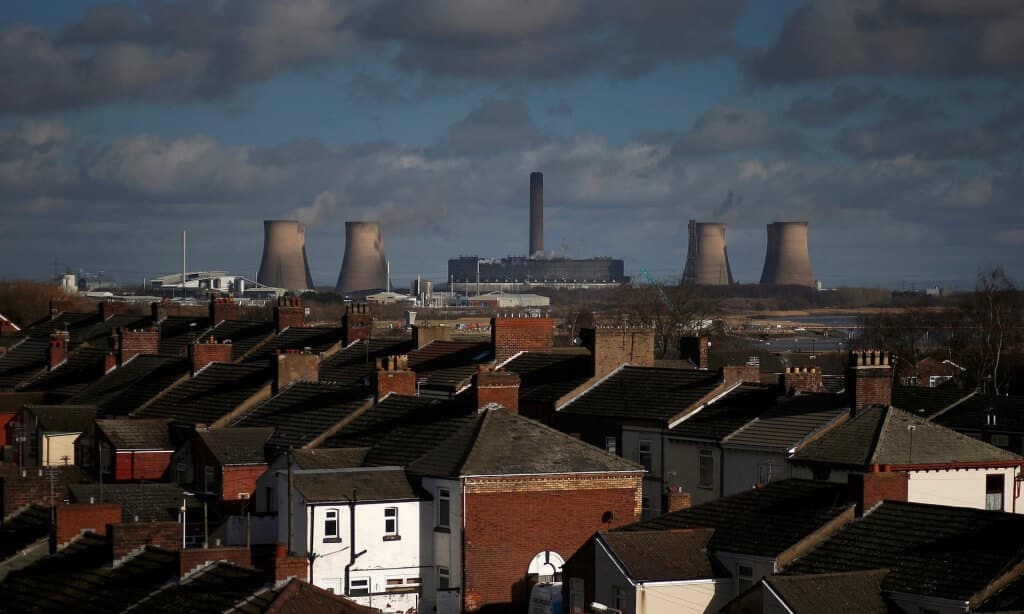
{"points": [[444, 508], [611, 444], [990, 496], [391, 519], [363, 585], [705, 456], [444, 577], [332, 515], [641, 452]]}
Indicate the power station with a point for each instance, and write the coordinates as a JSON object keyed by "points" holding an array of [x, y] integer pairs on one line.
{"points": [[536, 269], [788, 260], [284, 263], [707, 259], [364, 266]]}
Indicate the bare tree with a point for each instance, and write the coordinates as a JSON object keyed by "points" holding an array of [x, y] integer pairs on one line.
{"points": [[673, 312], [991, 326]]}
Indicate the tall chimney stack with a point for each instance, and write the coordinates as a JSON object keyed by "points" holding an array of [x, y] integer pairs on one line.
{"points": [[536, 213]]}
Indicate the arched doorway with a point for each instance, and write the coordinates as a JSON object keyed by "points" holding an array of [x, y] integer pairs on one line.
{"points": [[546, 566]]}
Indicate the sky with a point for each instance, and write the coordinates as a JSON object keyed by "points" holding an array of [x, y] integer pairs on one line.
{"points": [[894, 127]]}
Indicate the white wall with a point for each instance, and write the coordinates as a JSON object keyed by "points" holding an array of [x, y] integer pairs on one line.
{"points": [[960, 488], [760, 566], [698, 597], [682, 466], [654, 481], [742, 468], [55, 447], [445, 549]]}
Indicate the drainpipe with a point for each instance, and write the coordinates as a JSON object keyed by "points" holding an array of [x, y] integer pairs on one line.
{"points": [[352, 554]]}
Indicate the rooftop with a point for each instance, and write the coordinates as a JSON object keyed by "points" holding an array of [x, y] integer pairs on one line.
{"points": [[644, 394], [237, 446], [986, 413], [329, 458], [318, 340], [213, 393], [63, 418], [857, 592], [151, 502], [544, 377], [245, 336], [367, 483], [927, 402], [354, 362], [790, 422], [304, 411], [131, 385], [724, 416], [143, 434], [662, 556], [83, 366]]}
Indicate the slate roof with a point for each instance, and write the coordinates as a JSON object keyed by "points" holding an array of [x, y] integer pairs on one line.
{"points": [[891, 436], [212, 393], [297, 597], [213, 589], [63, 418], [761, 522], [726, 415], [73, 322], [176, 333], [644, 394], [354, 362], [98, 333], [448, 364], [661, 556], [23, 529], [973, 414], [933, 550], [304, 411], [544, 377], [926, 402], [143, 434], [852, 592], [383, 418], [128, 387], [329, 458], [318, 340], [244, 335], [82, 367], [369, 483], [790, 422], [22, 362], [1010, 598], [151, 502], [237, 446]]}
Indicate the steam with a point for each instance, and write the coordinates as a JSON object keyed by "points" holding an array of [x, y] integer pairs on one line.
{"points": [[729, 209], [319, 209]]}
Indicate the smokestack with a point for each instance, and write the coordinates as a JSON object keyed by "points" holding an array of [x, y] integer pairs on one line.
{"points": [[364, 266], [788, 261], [284, 263], [536, 213], [707, 260]]}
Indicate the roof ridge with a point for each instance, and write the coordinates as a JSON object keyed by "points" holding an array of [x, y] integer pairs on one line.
{"points": [[880, 429]]}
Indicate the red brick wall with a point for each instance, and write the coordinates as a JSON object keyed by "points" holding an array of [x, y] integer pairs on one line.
{"points": [[295, 366], [108, 309], [802, 379], [613, 347], [127, 537], [135, 342], [74, 518], [694, 349], [733, 374], [509, 336], [58, 350], [509, 521], [222, 309], [869, 378], [880, 486], [240, 479], [289, 313], [131, 466], [501, 387], [19, 491], [357, 322], [5, 435], [211, 351], [394, 376], [190, 559]]}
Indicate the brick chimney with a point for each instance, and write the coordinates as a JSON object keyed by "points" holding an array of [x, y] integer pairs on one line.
{"points": [[158, 311], [191, 559], [58, 305], [802, 379], [283, 566], [501, 387], [57, 352], [869, 378], [129, 537], [295, 366], [511, 335], [109, 362], [393, 376], [741, 374], [357, 322], [422, 335], [131, 343], [108, 309], [289, 313], [611, 347], [695, 349], [880, 484], [676, 499], [72, 519], [205, 352], [222, 309]]}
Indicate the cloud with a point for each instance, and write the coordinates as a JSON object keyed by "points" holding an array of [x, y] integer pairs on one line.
{"points": [[843, 101], [892, 139], [562, 107], [495, 126], [726, 129], [825, 39]]}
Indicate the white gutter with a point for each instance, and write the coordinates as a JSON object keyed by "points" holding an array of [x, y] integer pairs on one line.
{"points": [[674, 423]]}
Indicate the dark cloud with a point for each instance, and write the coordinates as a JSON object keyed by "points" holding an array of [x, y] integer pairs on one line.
{"points": [[560, 108], [892, 139], [364, 87], [843, 101], [727, 130], [493, 127], [825, 39]]}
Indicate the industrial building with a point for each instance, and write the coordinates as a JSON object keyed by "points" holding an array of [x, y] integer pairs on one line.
{"points": [[202, 282], [364, 266], [284, 263], [476, 274], [707, 260], [788, 260]]}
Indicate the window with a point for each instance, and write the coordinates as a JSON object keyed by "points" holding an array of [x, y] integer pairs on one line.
{"points": [[402, 585], [994, 492], [391, 522], [766, 472], [744, 577], [331, 524], [643, 453], [443, 578], [359, 587], [990, 419], [706, 469], [444, 505], [1001, 440], [611, 445], [618, 598]]}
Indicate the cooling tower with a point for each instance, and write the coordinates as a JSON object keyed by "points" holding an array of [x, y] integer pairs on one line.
{"points": [[707, 261], [788, 261], [364, 266], [536, 213], [284, 262]]}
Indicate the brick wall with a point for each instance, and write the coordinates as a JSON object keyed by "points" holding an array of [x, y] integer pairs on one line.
{"points": [[501, 387], [57, 352], [509, 336], [241, 478], [60, 304], [191, 559], [289, 313], [222, 309], [209, 351], [357, 322], [109, 309], [878, 486], [869, 378], [802, 379], [127, 537], [510, 520], [422, 335], [295, 366], [612, 347], [734, 374], [131, 466], [131, 343], [394, 376], [34, 487], [74, 518], [279, 566], [694, 349]]}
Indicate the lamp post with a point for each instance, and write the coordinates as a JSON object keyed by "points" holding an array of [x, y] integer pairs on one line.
{"points": [[597, 606]]}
